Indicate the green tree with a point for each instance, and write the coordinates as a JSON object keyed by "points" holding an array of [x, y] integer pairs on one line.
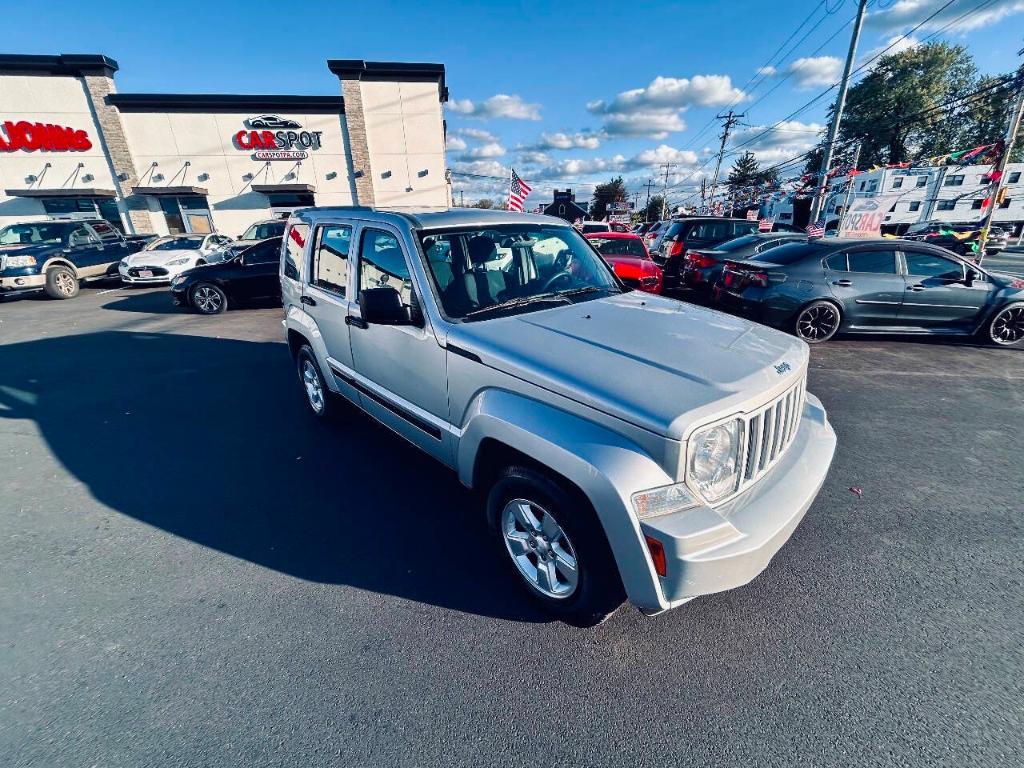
{"points": [[654, 208], [614, 191], [483, 203], [746, 172]]}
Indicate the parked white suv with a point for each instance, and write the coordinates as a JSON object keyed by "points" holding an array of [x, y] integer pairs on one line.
{"points": [[628, 444]]}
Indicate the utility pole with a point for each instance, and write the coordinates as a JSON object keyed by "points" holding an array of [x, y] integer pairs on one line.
{"points": [[849, 190], [703, 191], [1016, 115], [664, 187], [730, 120], [462, 199], [647, 205], [833, 130]]}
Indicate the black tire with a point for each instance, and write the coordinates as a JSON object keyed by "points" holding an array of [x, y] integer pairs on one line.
{"points": [[208, 299], [61, 283], [598, 590], [1006, 326], [324, 406], [817, 322]]}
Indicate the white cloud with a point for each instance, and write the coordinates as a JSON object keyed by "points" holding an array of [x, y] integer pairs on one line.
{"points": [[576, 140], [500, 105], [533, 157], [475, 134], [766, 71], [783, 142], [455, 143], [814, 71], [491, 149], [908, 13], [654, 124], [573, 168], [892, 46], [664, 154]]}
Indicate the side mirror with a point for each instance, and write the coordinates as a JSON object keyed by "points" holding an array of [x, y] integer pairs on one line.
{"points": [[383, 306], [972, 275]]}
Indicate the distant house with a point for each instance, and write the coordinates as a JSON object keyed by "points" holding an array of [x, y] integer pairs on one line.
{"points": [[564, 207]]}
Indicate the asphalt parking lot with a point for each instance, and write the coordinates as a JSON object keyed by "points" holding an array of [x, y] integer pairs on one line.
{"points": [[194, 573]]}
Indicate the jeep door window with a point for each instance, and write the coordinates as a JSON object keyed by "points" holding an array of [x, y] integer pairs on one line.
{"points": [[330, 257], [382, 264], [873, 262], [295, 246], [513, 267]]}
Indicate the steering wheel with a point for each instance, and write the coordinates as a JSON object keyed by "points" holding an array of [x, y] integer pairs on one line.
{"points": [[551, 281]]}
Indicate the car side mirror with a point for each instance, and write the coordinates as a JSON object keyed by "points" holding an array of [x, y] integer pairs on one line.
{"points": [[383, 306], [971, 277]]}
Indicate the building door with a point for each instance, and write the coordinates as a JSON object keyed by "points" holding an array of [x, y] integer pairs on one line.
{"points": [[187, 215]]}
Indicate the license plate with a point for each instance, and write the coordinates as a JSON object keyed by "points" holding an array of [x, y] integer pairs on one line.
{"points": [[145, 273]]}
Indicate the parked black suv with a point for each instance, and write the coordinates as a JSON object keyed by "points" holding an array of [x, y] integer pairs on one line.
{"points": [[692, 233]]}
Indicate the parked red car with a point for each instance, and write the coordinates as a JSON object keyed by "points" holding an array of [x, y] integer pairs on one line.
{"points": [[627, 255]]}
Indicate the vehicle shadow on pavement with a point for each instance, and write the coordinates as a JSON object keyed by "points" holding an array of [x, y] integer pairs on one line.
{"points": [[151, 302], [209, 439]]}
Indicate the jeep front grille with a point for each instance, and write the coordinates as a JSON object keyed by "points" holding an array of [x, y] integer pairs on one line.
{"points": [[769, 431]]}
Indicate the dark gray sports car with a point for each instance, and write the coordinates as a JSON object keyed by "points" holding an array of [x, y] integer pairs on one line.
{"points": [[823, 287]]}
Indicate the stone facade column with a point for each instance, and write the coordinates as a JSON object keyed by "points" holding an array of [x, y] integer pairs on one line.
{"points": [[98, 86], [355, 123]]}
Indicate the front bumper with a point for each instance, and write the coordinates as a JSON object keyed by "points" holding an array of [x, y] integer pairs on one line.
{"points": [[18, 283], [714, 549], [160, 275]]}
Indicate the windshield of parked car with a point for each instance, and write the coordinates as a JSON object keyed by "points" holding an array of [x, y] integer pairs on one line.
{"points": [[487, 272], [619, 246], [176, 244], [264, 230], [33, 234]]}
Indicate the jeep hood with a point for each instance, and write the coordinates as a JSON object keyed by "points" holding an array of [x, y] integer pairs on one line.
{"points": [[651, 361]]}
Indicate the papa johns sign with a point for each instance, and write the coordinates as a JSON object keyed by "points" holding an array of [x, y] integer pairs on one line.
{"points": [[42, 136]]}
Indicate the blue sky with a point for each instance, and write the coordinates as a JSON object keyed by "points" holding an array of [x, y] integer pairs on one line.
{"points": [[571, 94]]}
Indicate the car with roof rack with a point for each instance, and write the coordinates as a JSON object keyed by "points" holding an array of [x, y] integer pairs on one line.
{"points": [[625, 445]]}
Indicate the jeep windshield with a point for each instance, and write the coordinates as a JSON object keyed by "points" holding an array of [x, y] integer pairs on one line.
{"points": [[497, 270]]}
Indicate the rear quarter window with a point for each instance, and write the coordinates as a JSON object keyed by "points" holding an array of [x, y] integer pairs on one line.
{"points": [[295, 247]]}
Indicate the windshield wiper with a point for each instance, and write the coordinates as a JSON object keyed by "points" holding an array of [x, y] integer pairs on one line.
{"points": [[517, 303], [587, 289]]}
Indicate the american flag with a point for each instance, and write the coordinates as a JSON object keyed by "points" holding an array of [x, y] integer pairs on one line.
{"points": [[517, 192], [817, 229]]}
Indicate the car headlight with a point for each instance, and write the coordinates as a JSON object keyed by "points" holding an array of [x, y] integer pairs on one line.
{"points": [[713, 460], [178, 279], [21, 261], [179, 262], [663, 501], [124, 262]]}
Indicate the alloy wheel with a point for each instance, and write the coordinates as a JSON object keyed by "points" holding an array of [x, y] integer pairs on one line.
{"points": [[1008, 326], [540, 549], [207, 299], [818, 322], [311, 382], [65, 283]]}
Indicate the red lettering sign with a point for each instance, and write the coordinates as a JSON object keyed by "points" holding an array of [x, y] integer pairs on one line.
{"points": [[46, 137]]}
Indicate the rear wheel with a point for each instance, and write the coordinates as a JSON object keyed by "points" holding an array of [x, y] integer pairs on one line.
{"points": [[208, 299], [1007, 325], [817, 322], [61, 283], [556, 546], [318, 398]]}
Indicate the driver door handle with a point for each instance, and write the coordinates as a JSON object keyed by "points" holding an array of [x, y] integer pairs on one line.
{"points": [[916, 288], [355, 322], [844, 283], [309, 300]]}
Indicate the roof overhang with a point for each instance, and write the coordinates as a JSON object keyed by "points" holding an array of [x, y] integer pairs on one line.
{"points": [[398, 71], [169, 191], [268, 189], [221, 102], [76, 192], [73, 64]]}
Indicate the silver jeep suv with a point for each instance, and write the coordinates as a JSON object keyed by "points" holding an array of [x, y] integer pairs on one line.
{"points": [[629, 446]]}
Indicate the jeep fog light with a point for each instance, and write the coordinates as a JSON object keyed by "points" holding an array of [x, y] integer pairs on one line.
{"points": [[714, 460], [663, 501]]}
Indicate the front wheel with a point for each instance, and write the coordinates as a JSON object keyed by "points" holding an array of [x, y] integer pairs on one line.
{"points": [[61, 283], [1007, 325], [555, 543], [817, 322], [317, 394], [208, 299]]}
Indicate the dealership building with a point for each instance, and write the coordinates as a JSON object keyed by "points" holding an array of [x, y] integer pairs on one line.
{"points": [[71, 146]]}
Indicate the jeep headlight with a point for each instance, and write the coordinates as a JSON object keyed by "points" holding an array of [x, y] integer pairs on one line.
{"points": [[179, 262], [21, 261], [713, 460]]}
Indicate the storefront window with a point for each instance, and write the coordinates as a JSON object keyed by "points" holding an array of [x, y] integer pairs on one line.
{"points": [[186, 215], [290, 199], [84, 208]]}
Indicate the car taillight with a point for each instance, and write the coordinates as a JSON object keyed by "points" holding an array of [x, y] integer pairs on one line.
{"points": [[675, 248], [700, 260], [759, 278]]}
